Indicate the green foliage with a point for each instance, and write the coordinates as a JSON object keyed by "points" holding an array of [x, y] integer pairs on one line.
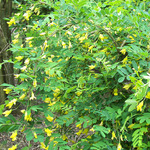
{"points": [[82, 74]]}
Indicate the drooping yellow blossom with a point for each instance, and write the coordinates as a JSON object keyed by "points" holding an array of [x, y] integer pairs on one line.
{"points": [[23, 68], [115, 92], [23, 111], [113, 135], [90, 48], [19, 58], [7, 112], [35, 135], [56, 92], [64, 44], [32, 96], [47, 100], [49, 118], [7, 90], [11, 103], [123, 51], [139, 106], [29, 38], [12, 21], [79, 132], [13, 147], [148, 95], [78, 125], [92, 129], [119, 147], [127, 86], [124, 61], [130, 126], [27, 117], [78, 93], [37, 10], [51, 104], [22, 96], [14, 135], [27, 14], [34, 83], [15, 41], [30, 44], [27, 61], [44, 146], [16, 36], [48, 131], [69, 45], [17, 76], [92, 67]]}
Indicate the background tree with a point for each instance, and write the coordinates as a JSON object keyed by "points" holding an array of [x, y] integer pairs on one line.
{"points": [[6, 71]]}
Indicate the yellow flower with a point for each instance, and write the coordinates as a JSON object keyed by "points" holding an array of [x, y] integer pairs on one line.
{"points": [[78, 93], [7, 90], [48, 131], [32, 96], [35, 135], [7, 112], [11, 103], [27, 61], [127, 86], [115, 92], [123, 51], [69, 45], [19, 58], [148, 95], [139, 106], [27, 14], [44, 146], [101, 37], [12, 21], [13, 136], [130, 126], [15, 41], [92, 67], [23, 68], [51, 104], [17, 76], [23, 111], [64, 44], [16, 36], [78, 125], [113, 135], [27, 117], [13, 147], [22, 96], [79, 132], [91, 47], [47, 100], [119, 147], [34, 83], [29, 38], [124, 61], [92, 129], [64, 137], [49, 118]]}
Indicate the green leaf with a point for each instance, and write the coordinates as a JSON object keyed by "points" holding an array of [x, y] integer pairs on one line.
{"points": [[121, 79]]}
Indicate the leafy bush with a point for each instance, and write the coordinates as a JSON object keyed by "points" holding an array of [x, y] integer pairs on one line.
{"points": [[82, 75]]}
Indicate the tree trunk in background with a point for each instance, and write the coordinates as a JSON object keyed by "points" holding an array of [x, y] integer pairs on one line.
{"points": [[6, 72]]}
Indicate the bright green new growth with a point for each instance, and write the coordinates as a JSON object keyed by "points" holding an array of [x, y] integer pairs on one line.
{"points": [[84, 79]]}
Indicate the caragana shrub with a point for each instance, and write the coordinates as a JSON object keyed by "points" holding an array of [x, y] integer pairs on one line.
{"points": [[82, 75]]}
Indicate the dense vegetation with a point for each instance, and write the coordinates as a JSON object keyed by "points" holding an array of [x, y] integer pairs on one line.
{"points": [[82, 71]]}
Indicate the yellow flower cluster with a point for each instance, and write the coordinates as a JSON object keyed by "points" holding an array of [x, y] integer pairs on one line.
{"points": [[12, 21], [14, 135]]}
